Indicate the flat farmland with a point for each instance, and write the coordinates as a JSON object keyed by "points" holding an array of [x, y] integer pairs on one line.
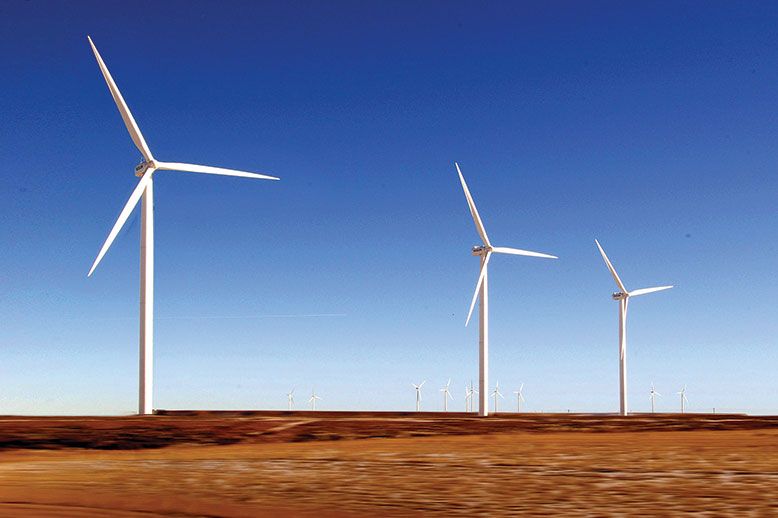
{"points": [[387, 464]]}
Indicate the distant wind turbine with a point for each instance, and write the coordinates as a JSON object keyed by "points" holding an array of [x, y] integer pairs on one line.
{"points": [[446, 395], [470, 391], [312, 399], [290, 398], [485, 251], [144, 190], [418, 394], [496, 393], [623, 297], [653, 394], [519, 397], [682, 393]]}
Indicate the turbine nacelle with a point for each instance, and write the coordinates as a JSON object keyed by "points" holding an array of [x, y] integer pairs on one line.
{"points": [[619, 295], [480, 250], [144, 166]]}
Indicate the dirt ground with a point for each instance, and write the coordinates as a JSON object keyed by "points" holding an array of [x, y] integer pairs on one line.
{"points": [[304, 464]]}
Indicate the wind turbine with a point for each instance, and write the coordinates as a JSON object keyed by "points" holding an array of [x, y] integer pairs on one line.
{"points": [[312, 399], [144, 190], [682, 393], [469, 392], [290, 398], [623, 297], [496, 393], [446, 395], [519, 397], [485, 251], [652, 395], [418, 394]]}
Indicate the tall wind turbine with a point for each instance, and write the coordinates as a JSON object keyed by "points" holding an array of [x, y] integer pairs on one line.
{"points": [[144, 190], [682, 393], [623, 297], [312, 399], [496, 393], [446, 395], [485, 251], [652, 395], [519, 397], [290, 398], [418, 394]]}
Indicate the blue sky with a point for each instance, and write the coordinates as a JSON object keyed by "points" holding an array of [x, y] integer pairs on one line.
{"points": [[652, 128]]}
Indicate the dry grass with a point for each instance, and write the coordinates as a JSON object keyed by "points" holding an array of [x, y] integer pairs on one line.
{"points": [[723, 472]]}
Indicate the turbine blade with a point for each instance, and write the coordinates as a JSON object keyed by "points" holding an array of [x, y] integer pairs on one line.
{"points": [[517, 251], [422, 383], [643, 291], [478, 287], [610, 267], [479, 225], [124, 110], [125, 213], [194, 168]]}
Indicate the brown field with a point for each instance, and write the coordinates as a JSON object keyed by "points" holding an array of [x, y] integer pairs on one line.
{"points": [[387, 464]]}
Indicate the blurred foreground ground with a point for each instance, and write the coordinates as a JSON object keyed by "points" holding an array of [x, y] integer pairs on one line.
{"points": [[383, 464]]}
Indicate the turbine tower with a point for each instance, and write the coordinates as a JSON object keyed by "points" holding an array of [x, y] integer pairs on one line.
{"points": [[446, 395], [682, 393], [623, 297], [418, 394], [144, 190], [496, 393], [652, 395], [519, 398], [290, 398], [312, 399], [485, 251]]}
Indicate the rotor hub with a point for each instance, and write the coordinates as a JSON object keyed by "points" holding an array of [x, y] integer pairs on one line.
{"points": [[144, 166], [619, 295]]}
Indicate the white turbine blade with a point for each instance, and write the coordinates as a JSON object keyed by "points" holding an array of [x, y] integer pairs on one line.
{"points": [[194, 168], [657, 394], [610, 267], [479, 226], [517, 251], [478, 287], [125, 213], [422, 383], [643, 291], [124, 110], [521, 387], [449, 383]]}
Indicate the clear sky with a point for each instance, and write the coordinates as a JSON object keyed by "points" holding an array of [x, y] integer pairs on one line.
{"points": [[652, 128]]}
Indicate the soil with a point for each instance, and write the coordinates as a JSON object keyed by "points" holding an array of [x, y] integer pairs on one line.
{"points": [[326, 464]]}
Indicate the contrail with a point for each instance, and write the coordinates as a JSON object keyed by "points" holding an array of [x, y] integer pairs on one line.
{"points": [[229, 317], [223, 317]]}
